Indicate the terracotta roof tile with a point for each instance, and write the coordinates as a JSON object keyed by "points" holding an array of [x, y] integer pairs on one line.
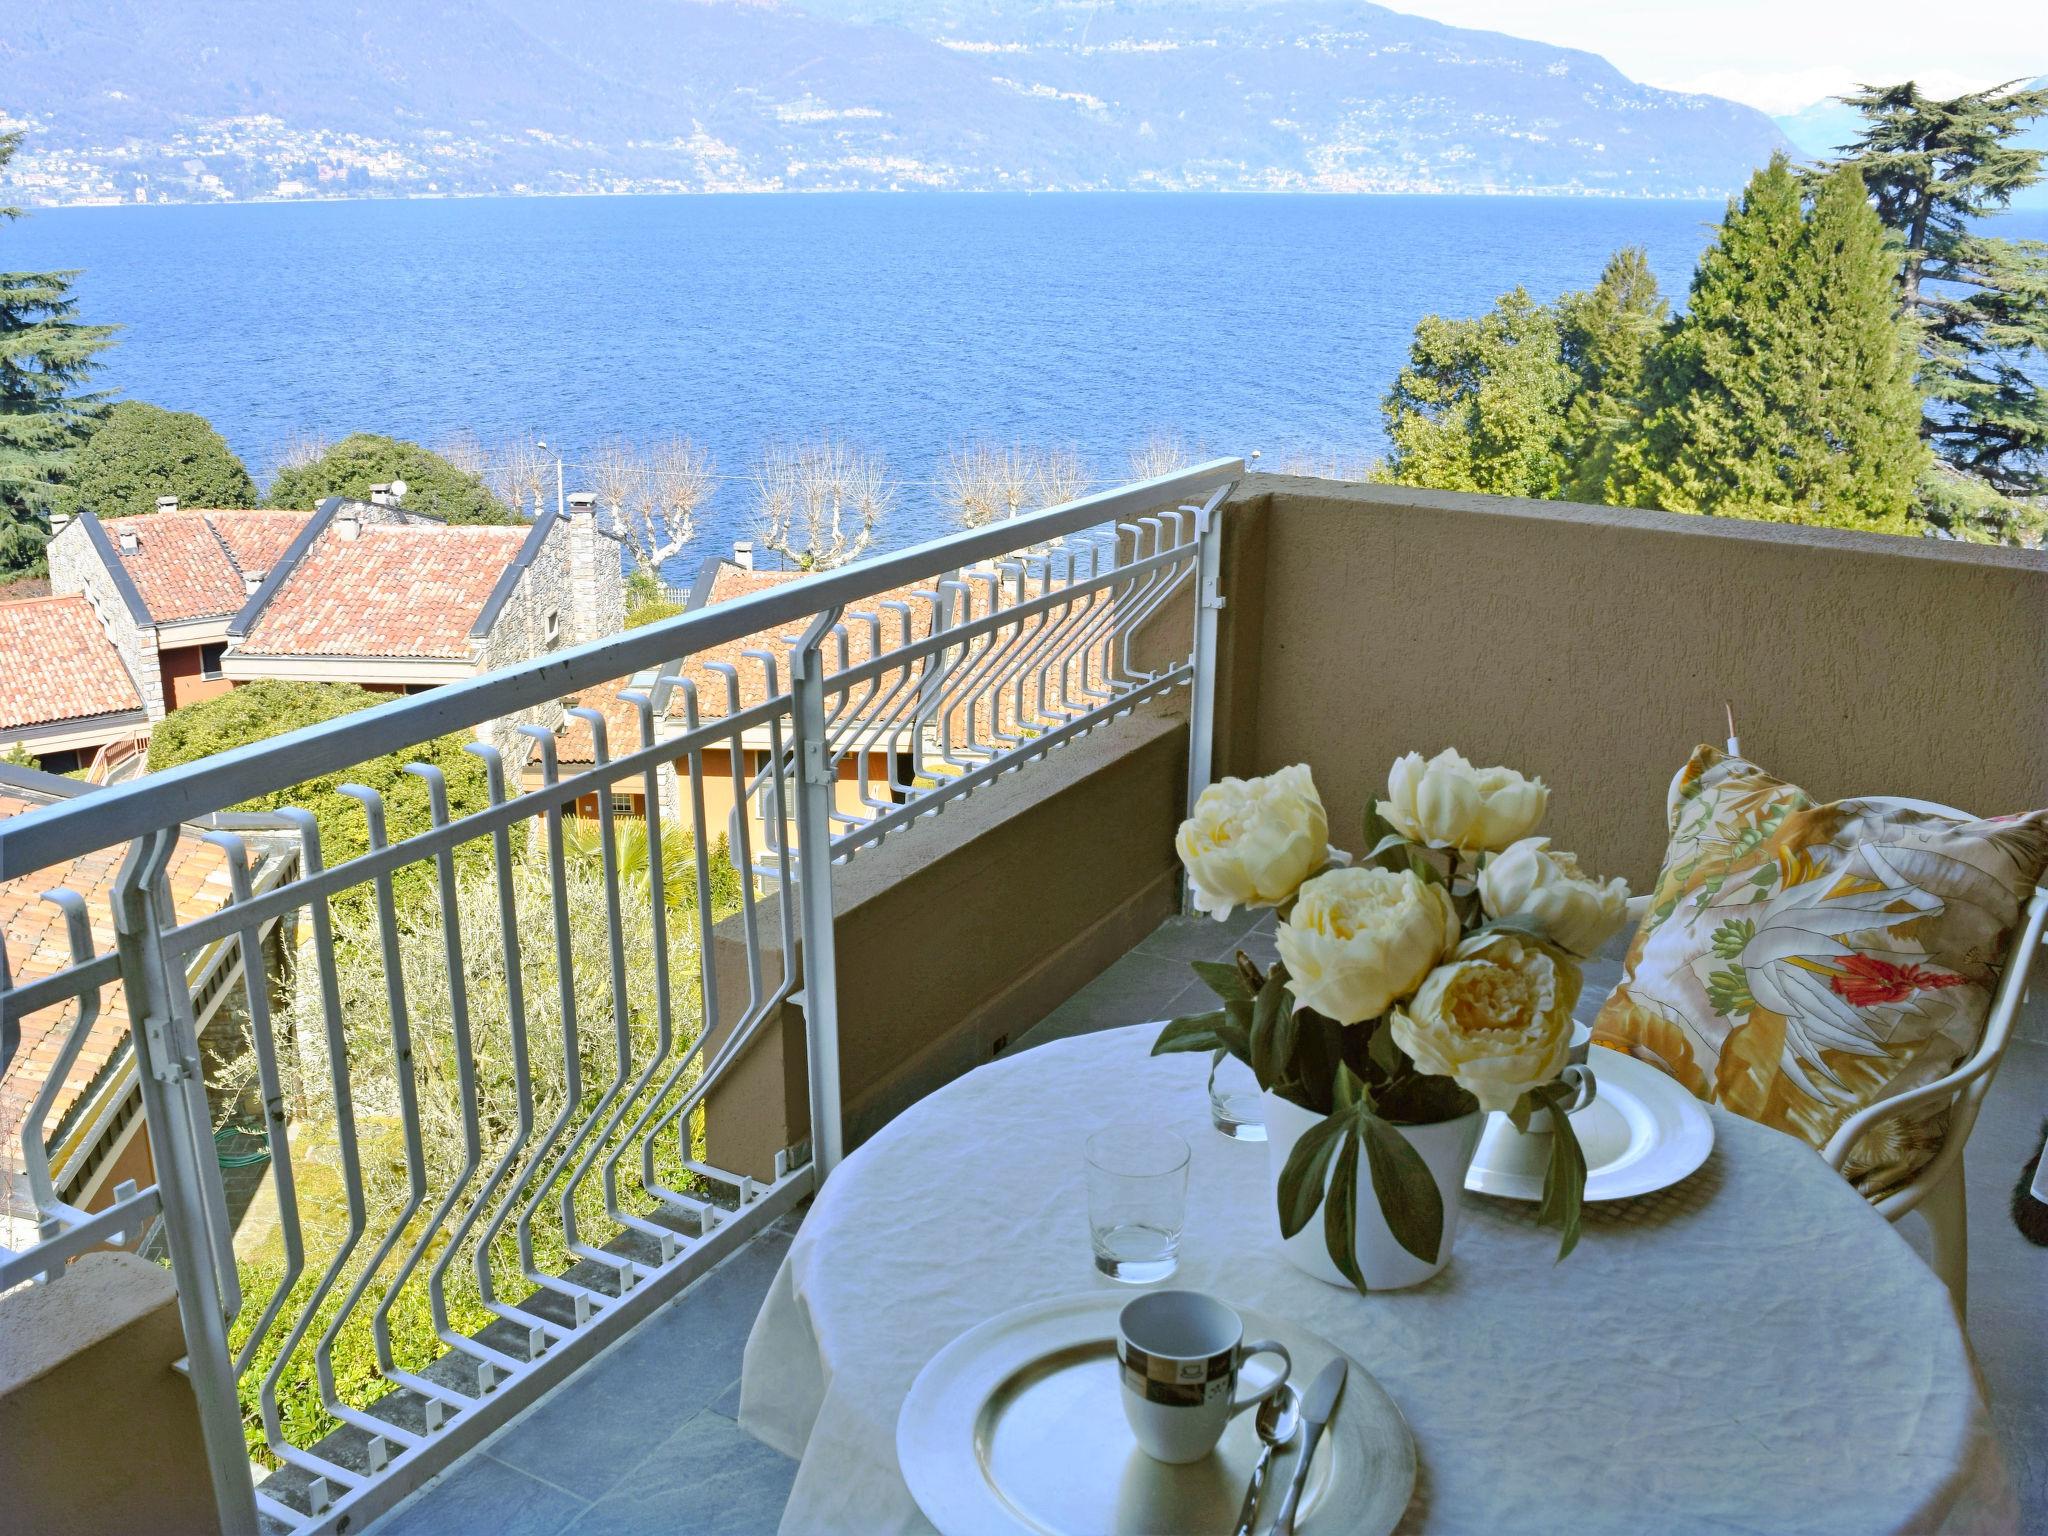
{"points": [[189, 564], [60, 664], [397, 591]]}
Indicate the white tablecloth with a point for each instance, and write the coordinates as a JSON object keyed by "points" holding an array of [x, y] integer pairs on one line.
{"points": [[1752, 1351]]}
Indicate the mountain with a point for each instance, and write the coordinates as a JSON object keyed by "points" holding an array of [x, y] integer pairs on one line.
{"points": [[1820, 130], [153, 99]]}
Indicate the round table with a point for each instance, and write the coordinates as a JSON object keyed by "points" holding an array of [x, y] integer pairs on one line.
{"points": [[1752, 1350]]}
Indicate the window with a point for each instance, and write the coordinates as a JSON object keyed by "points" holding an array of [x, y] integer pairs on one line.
{"points": [[211, 658], [625, 805], [554, 628]]}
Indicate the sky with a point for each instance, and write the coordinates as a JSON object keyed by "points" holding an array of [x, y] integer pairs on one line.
{"points": [[1780, 55]]}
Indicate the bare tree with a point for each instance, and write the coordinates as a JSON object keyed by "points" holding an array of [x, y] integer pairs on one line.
{"points": [[818, 504], [619, 476], [521, 472], [1161, 453], [467, 454], [1059, 477], [679, 481], [301, 449], [982, 482]]}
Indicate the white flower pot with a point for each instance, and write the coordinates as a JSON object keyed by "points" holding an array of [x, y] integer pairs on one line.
{"points": [[1446, 1149]]}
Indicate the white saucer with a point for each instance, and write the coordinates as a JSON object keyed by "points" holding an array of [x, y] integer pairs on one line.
{"points": [[1017, 1426], [1642, 1132]]}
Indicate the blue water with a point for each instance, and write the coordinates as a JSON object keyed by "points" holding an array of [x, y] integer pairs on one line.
{"points": [[905, 322]]}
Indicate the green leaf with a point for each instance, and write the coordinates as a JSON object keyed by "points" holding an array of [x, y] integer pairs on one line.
{"points": [[1303, 1177], [1733, 936], [1349, 1087], [1378, 829], [1407, 1191], [1273, 1030], [1381, 1050], [1564, 1181], [1423, 865], [1224, 979], [1518, 923], [1523, 1108], [1203, 1032], [1390, 852], [1728, 991], [1340, 1211]]}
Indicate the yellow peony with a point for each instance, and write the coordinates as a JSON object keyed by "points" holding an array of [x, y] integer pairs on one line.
{"points": [[1447, 803], [1251, 842], [1360, 939], [1497, 1018], [1576, 911]]}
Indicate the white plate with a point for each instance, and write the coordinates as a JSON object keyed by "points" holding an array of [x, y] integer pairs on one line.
{"points": [[1018, 1426], [1642, 1132]]}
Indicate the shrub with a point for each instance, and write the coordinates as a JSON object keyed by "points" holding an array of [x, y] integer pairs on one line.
{"points": [[433, 485], [139, 452], [651, 613]]}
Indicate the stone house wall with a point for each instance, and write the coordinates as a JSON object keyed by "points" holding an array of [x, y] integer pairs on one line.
{"points": [[76, 566]]}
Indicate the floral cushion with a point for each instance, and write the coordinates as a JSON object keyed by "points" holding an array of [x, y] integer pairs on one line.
{"points": [[1799, 962]]}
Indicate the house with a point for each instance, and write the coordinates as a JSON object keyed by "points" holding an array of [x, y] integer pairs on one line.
{"points": [[91, 1127], [165, 585], [66, 690]]}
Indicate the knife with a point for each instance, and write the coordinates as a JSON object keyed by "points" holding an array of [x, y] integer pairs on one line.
{"points": [[1316, 1410]]}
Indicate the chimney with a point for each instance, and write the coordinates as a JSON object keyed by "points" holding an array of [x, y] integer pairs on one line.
{"points": [[59, 521], [743, 554], [251, 580], [129, 542], [583, 503], [380, 496], [167, 503], [348, 522]]}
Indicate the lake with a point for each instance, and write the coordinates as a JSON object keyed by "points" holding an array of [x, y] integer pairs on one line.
{"points": [[906, 322]]}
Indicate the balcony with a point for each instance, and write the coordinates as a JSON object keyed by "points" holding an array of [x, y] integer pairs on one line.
{"points": [[541, 1095]]}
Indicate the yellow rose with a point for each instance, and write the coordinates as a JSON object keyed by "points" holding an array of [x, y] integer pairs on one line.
{"points": [[1447, 803], [1497, 1018], [1360, 939], [1575, 910], [1251, 842]]}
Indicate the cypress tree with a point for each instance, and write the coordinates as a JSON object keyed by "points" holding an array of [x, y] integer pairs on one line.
{"points": [[1608, 334], [1934, 167], [46, 357], [1786, 390]]}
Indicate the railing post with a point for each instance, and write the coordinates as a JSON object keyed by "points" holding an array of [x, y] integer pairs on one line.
{"points": [[1208, 603], [816, 784], [187, 1170]]}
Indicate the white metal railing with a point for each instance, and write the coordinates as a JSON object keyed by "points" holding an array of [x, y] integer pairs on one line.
{"points": [[481, 1060]]}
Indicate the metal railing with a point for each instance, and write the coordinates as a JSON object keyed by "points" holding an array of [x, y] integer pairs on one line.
{"points": [[481, 1054]]}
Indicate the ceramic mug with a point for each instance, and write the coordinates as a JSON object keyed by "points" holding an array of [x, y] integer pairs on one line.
{"points": [[1178, 1353]]}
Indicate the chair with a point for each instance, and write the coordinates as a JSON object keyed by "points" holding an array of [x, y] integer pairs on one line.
{"points": [[1937, 1190]]}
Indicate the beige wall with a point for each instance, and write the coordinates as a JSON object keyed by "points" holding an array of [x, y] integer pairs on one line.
{"points": [[964, 930], [1595, 647], [98, 1432]]}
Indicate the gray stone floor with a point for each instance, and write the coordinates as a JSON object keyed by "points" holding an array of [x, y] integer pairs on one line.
{"points": [[644, 1440]]}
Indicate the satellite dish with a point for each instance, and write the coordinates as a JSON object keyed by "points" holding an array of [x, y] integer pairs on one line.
{"points": [[398, 490]]}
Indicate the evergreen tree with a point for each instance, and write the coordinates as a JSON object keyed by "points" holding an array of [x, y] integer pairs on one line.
{"points": [[1786, 391], [1933, 168], [1481, 404], [46, 358], [138, 452], [1607, 335], [433, 485]]}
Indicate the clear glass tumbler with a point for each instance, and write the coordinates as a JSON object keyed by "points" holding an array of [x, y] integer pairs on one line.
{"points": [[1234, 1100], [1137, 1200]]}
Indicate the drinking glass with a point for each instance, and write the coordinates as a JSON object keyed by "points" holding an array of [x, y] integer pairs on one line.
{"points": [[1137, 1200], [1234, 1107]]}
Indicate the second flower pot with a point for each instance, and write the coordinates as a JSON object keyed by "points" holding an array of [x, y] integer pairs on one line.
{"points": [[1446, 1149]]}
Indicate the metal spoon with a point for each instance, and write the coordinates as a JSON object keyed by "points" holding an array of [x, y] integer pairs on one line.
{"points": [[1278, 1421]]}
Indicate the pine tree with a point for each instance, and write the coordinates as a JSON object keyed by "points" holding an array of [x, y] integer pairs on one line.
{"points": [[1934, 167], [1608, 334], [1480, 406], [1786, 391], [46, 358]]}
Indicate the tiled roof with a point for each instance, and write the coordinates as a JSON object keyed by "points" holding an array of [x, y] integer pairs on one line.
{"points": [[60, 664], [37, 945], [391, 591], [189, 564]]}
